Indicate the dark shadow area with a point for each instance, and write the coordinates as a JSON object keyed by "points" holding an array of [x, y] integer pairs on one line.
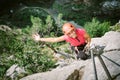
{"points": [[7, 5], [22, 17], [116, 76], [17, 13]]}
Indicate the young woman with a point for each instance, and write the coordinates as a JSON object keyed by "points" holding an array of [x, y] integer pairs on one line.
{"points": [[78, 39]]}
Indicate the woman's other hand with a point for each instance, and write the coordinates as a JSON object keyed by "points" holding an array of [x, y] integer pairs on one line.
{"points": [[36, 37]]}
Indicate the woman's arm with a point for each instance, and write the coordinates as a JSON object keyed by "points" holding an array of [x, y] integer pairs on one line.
{"points": [[36, 37], [88, 39]]}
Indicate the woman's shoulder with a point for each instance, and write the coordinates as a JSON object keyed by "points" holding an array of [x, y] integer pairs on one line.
{"points": [[80, 30]]}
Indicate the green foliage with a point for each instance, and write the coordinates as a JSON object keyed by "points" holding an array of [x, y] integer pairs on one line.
{"points": [[48, 28], [83, 11], [59, 20], [115, 27], [22, 17], [75, 12], [24, 51], [97, 29], [62, 8], [37, 25]]}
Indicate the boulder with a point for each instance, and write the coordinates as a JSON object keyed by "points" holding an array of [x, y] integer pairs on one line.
{"points": [[14, 71]]}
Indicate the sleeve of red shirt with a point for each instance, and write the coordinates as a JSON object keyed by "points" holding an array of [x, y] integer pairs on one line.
{"points": [[82, 31], [65, 37]]}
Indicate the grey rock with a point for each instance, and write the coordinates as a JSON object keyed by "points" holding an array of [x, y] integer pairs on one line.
{"points": [[14, 71]]}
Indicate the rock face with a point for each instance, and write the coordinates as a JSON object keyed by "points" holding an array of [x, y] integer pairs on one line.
{"points": [[83, 70], [14, 71]]}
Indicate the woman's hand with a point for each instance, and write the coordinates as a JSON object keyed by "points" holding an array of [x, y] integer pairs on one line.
{"points": [[86, 48], [36, 37]]}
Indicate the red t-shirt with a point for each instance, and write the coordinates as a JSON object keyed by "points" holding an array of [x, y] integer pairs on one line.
{"points": [[80, 38]]}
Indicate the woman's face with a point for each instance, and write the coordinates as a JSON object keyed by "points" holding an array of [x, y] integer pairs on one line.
{"points": [[71, 33], [69, 30]]}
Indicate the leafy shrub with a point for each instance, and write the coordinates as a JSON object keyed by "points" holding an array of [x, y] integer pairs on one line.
{"points": [[21, 17], [97, 29], [26, 53], [116, 27]]}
